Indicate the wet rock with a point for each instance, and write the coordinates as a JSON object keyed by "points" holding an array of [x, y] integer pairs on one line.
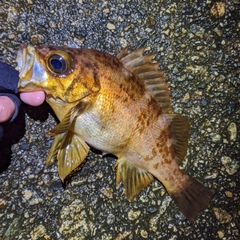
{"points": [[186, 97], [27, 194], [15, 183], [221, 215], [37, 38], [196, 51], [73, 220], [12, 14], [122, 236], [230, 165], [111, 26], [228, 194], [218, 32], [133, 215], [216, 137], [220, 234], [144, 233], [110, 219], [3, 203], [34, 201], [52, 24], [25, 146], [144, 199], [232, 130], [107, 236], [108, 192], [31, 176], [11, 36], [38, 232], [212, 174], [152, 209], [218, 9], [13, 229]]}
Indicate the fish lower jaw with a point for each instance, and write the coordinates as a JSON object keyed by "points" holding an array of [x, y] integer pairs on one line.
{"points": [[23, 84], [55, 100], [28, 86]]}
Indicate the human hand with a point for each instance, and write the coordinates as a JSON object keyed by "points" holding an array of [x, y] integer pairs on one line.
{"points": [[33, 98], [7, 106]]}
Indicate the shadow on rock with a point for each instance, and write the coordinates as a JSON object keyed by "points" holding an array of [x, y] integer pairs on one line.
{"points": [[14, 131]]}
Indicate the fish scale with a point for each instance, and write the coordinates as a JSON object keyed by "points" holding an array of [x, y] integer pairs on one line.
{"points": [[119, 105]]}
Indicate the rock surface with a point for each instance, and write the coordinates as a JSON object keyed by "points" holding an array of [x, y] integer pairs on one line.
{"points": [[198, 43]]}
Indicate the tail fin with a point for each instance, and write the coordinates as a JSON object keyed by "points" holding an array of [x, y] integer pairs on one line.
{"points": [[192, 198]]}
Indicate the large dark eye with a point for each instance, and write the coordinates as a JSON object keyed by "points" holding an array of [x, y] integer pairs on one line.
{"points": [[59, 62]]}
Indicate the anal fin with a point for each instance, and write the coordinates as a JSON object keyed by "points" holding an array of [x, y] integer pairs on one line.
{"points": [[134, 179]]}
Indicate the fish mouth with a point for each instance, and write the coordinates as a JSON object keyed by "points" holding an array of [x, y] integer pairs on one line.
{"points": [[25, 59], [30, 69]]}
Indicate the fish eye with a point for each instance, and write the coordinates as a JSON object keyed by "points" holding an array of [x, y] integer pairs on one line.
{"points": [[59, 62]]}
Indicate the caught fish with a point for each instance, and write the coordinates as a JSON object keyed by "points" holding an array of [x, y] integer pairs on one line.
{"points": [[119, 105]]}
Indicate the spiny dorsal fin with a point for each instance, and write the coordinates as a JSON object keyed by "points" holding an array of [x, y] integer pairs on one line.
{"points": [[147, 70], [179, 131], [134, 179], [123, 53]]}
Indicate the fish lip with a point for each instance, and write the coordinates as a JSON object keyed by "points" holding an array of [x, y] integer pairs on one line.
{"points": [[25, 60], [20, 57], [30, 69]]}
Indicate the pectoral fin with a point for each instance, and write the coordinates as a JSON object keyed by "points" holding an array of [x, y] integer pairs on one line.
{"points": [[134, 179], [68, 119], [68, 148], [71, 153]]}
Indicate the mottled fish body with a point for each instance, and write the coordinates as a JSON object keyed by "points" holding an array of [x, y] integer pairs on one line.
{"points": [[119, 105]]}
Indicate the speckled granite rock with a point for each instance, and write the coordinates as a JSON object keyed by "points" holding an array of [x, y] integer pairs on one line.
{"points": [[199, 48]]}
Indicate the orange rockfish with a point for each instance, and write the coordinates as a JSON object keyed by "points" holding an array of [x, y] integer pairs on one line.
{"points": [[119, 105]]}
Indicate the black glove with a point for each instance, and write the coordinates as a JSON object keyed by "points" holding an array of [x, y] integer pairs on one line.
{"points": [[8, 87]]}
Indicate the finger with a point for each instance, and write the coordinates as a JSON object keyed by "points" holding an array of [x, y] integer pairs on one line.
{"points": [[33, 98], [7, 108]]}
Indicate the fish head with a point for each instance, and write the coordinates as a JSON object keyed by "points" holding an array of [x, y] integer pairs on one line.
{"points": [[63, 73]]}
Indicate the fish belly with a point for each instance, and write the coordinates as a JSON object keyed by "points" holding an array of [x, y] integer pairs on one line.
{"points": [[107, 136]]}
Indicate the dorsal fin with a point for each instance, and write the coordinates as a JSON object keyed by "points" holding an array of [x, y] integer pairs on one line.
{"points": [[123, 53], [147, 70], [179, 131]]}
